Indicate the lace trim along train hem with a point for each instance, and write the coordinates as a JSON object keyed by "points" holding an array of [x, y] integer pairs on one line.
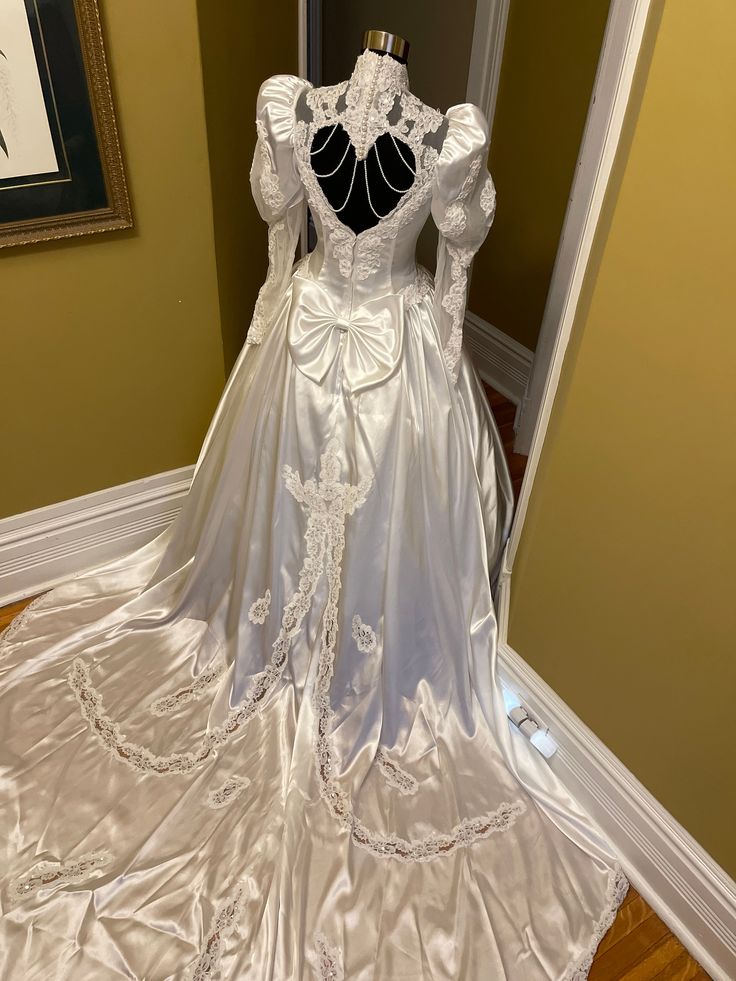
{"points": [[17, 622], [618, 886]]}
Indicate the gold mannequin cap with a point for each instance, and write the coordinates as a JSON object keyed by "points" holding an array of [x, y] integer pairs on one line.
{"points": [[390, 43]]}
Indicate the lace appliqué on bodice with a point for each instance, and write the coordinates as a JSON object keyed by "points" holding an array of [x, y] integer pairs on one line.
{"points": [[374, 100]]}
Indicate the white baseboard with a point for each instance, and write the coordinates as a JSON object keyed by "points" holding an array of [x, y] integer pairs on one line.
{"points": [[681, 882], [41, 548], [501, 361]]}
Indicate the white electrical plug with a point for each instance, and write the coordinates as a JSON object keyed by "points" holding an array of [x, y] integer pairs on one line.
{"points": [[538, 737]]}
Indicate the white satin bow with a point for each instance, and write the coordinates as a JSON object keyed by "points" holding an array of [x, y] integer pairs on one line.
{"points": [[370, 340]]}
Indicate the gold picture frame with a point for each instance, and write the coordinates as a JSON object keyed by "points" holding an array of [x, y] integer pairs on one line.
{"points": [[87, 192]]}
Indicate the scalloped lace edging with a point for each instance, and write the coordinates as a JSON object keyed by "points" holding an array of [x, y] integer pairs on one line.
{"points": [[618, 886], [18, 621]]}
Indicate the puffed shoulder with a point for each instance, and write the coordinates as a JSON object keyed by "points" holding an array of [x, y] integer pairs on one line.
{"points": [[467, 137], [273, 176], [275, 104]]}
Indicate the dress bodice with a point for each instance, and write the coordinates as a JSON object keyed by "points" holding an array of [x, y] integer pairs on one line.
{"points": [[451, 183], [374, 101]]}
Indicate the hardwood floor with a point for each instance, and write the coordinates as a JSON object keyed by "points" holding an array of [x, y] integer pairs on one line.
{"points": [[638, 947], [504, 412]]}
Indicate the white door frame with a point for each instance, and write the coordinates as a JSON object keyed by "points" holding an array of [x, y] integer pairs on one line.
{"points": [[486, 55], [619, 53], [621, 44], [611, 90]]}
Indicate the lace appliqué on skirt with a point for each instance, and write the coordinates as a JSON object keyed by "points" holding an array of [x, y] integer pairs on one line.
{"points": [[394, 775], [327, 960], [230, 790], [189, 693], [208, 965], [261, 608], [142, 758], [47, 874], [329, 503], [363, 635]]}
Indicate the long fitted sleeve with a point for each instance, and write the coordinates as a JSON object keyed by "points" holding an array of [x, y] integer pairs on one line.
{"points": [[277, 191], [463, 208]]}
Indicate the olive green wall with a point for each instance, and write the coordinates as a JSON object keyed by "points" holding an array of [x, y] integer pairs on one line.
{"points": [[622, 592], [242, 44], [440, 35], [112, 358], [550, 58]]}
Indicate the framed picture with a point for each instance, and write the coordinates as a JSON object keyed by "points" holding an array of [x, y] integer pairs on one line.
{"points": [[61, 168]]}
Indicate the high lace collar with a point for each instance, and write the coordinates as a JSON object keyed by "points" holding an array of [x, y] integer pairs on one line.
{"points": [[380, 72], [371, 91]]}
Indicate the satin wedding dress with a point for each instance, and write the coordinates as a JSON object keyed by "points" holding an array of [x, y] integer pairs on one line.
{"points": [[270, 743]]}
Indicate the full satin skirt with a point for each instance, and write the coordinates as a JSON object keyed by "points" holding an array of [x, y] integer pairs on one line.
{"points": [[270, 743]]}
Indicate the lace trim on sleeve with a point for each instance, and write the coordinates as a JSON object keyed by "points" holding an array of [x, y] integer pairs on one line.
{"points": [[452, 226], [488, 196], [268, 180], [454, 302], [260, 320]]}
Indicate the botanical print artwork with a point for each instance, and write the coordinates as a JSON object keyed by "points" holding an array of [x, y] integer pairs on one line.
{"points": [[26, 144]]}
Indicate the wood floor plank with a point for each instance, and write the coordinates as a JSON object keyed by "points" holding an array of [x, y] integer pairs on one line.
{"points": [[629, 950], [682, 968], [630, 918], [10, 612], [630, 896], [657, 959]]}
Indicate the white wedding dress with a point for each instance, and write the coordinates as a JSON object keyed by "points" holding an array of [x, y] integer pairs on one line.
{"points": [[270, 743]]}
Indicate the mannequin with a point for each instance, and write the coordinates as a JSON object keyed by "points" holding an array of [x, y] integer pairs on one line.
{"points": [[361, 192]]}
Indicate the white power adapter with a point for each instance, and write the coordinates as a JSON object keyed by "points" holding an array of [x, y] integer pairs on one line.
{"points": [[537, 736]]}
